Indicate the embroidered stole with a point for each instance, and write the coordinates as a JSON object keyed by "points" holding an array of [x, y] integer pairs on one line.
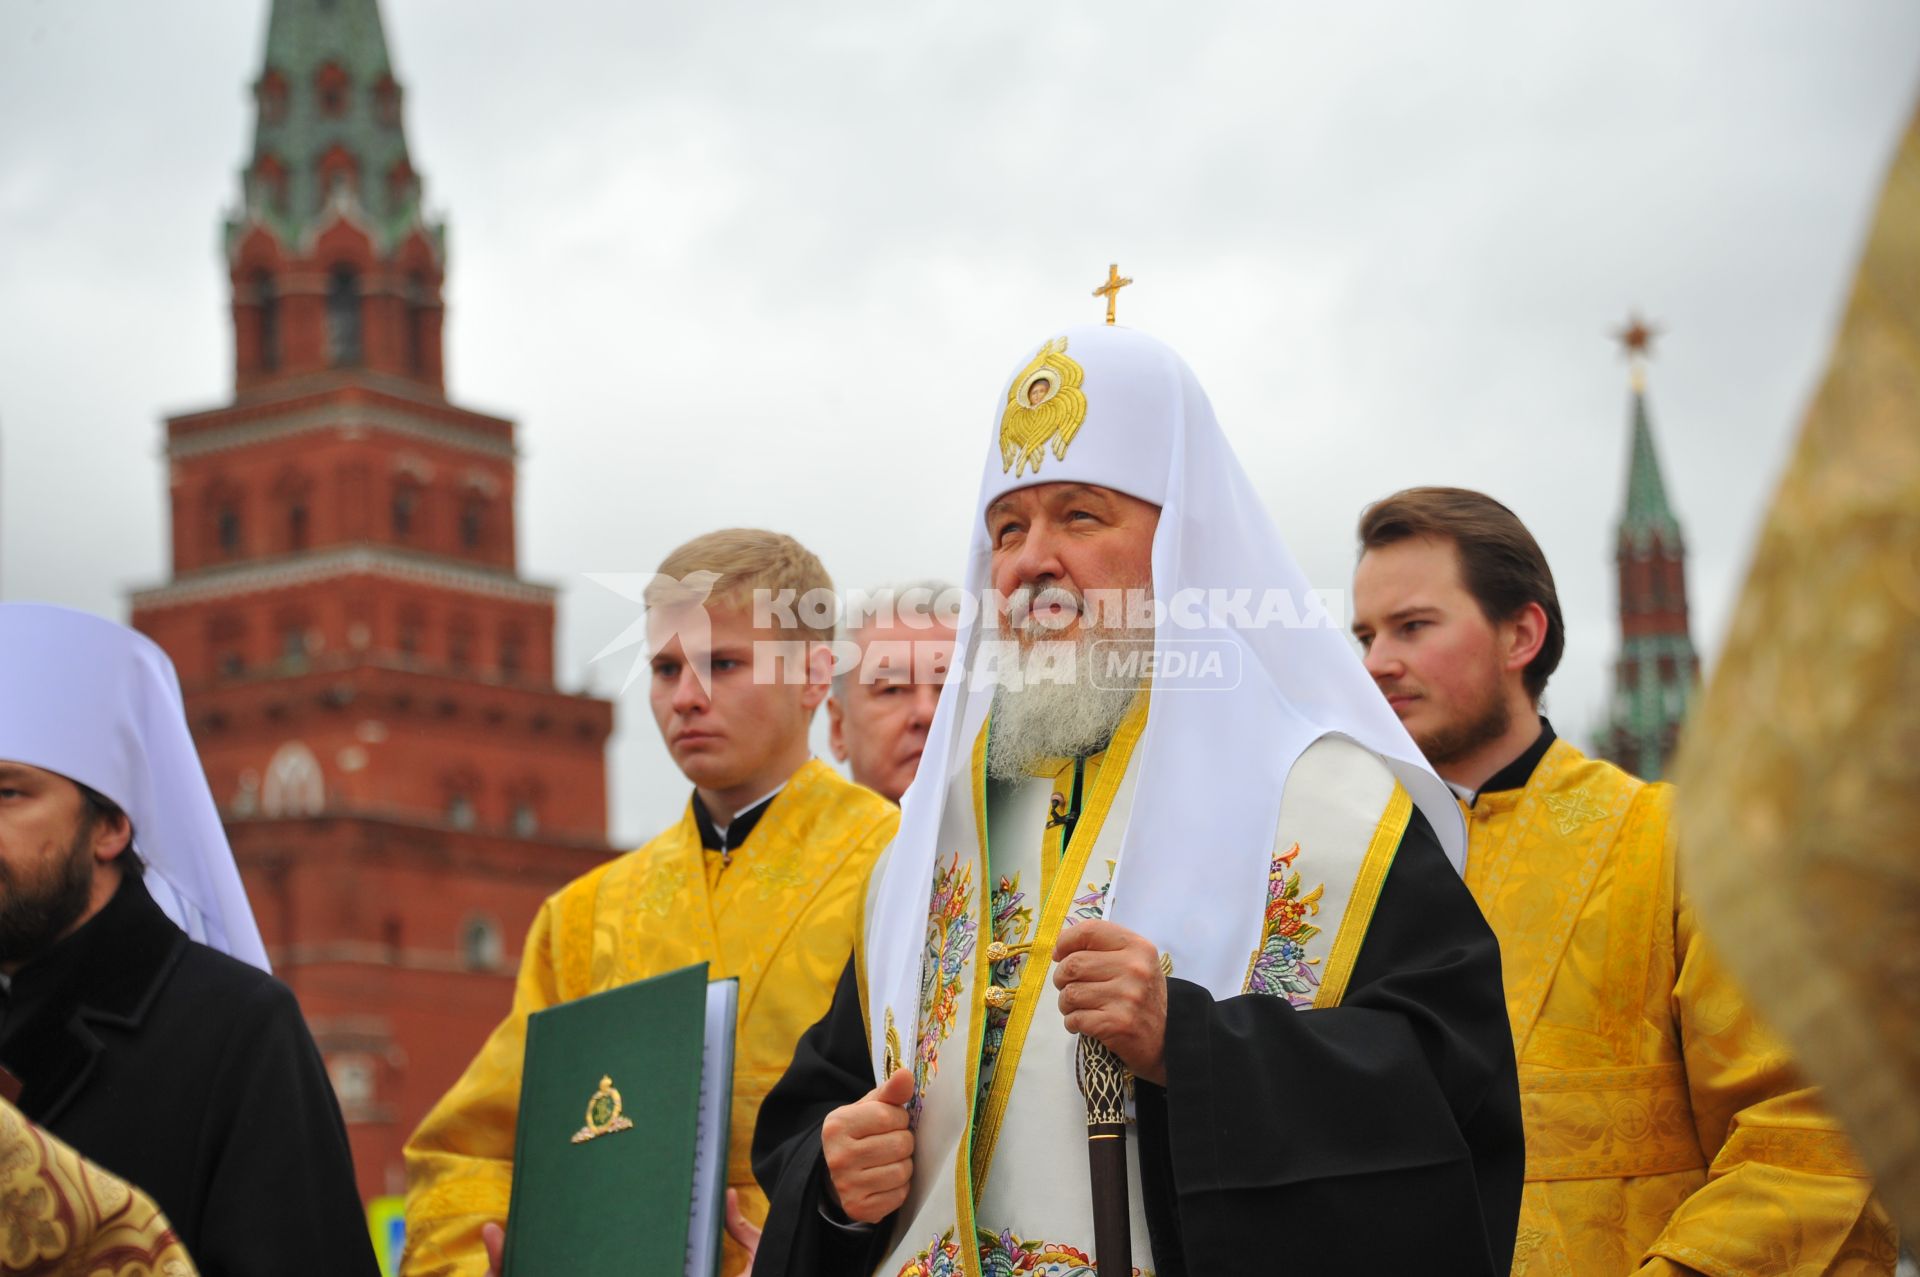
{"points": [[1000, 1173]]}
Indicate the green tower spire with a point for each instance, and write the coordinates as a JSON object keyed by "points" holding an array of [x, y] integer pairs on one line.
{"points": [[328, 133], [1657, 671], [1648, 517]]}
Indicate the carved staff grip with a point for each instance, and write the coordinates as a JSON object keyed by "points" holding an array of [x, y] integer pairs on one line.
{"points": [[1104, 1082]]}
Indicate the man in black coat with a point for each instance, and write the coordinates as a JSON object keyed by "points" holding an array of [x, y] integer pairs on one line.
{"points": [[178, 1068]]}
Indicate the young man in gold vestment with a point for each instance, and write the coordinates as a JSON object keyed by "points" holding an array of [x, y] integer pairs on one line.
{"points": [[1667, 1130], [762, 877]]}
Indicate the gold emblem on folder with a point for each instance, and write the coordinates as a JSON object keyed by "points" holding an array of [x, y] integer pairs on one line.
{"points": [[603, 1114]]}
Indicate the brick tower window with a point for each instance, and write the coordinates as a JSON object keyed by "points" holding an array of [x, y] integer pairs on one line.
{"points": [[460, 812], [226, 528], [343, 317], [473, 522], [267, 300], [406, 510], [416, 332], [297, 526], [481, 945]]}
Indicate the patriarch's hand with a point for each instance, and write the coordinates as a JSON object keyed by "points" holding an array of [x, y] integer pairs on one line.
{"points": [[1112, 988]]}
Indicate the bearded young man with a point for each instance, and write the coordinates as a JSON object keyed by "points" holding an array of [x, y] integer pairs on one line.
{"points": [[136, 1011], [760, 877], [1323, 1081], [1667, 1131], [883, 704]]}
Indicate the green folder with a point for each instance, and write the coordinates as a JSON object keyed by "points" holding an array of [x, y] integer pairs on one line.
{"points": [[620, 1154]]}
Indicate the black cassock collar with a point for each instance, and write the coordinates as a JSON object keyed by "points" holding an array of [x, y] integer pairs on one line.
{"points": [[711, 837], [1517, 773], [108, 972]]}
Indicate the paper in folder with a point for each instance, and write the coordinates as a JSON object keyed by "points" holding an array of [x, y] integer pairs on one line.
{"points": [[620, 1156]]}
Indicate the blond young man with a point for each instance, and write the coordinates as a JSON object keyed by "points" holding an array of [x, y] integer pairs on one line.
{"points": [[773, 846], [1668, 1132]]}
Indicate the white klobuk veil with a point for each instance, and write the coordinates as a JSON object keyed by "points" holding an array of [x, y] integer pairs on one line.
{"points": [[100, 704]]}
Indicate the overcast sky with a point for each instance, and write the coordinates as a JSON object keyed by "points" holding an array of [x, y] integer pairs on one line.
{"points": [[768, 264]]}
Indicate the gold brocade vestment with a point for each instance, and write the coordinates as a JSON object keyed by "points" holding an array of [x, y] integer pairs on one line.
{"points": [[1667, 1130], [61, 1214], [781, 917]]}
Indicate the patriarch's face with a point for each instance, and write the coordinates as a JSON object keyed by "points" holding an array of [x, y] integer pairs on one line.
{"points": [[1059, 542]]}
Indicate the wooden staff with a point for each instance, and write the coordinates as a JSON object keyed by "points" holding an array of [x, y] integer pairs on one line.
{"points": [[1104, 1082]]}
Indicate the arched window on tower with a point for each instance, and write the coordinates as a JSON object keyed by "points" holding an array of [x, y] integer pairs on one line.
{"points": [[226, 522], [268, 302], [343, 317], [406, 508], [512, 659], [481, 946], [417, 295], [293, 498], [473, 522]]}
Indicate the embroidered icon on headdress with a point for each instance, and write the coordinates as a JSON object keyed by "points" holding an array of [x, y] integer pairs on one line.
{"points": [[603, 1114], [1044, 405]]}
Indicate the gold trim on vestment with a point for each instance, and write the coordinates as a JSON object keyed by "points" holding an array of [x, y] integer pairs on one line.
{"points": [[1053, 912], [1358, 915], [964, 1219]]}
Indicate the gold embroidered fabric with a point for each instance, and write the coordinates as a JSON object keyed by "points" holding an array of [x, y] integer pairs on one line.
{"points": [[1667, 1131], [62, 1216], [1801, 765], [782, 918]]}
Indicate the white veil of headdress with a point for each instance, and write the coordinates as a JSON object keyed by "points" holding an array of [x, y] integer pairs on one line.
{"points": [[100, 704], [1211, 763]]}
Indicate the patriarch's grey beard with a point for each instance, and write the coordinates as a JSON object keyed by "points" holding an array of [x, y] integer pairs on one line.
{"points": [[1041, 717]]}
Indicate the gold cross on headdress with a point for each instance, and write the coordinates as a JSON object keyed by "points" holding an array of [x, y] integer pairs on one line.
{"points": [[1111, 289]]}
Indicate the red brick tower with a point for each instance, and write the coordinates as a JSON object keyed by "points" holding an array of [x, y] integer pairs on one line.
{"points": [[369, 680]]}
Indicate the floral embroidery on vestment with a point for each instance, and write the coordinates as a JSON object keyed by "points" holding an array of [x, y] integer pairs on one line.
{"points": [[1008, 1256], [950, 937], [1280, 967], [1012, 924], [940, 1259], [1091, 903]]}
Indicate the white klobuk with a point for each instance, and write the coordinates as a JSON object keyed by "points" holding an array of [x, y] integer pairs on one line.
{"points": [[1248, 810], [100, 704]]}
